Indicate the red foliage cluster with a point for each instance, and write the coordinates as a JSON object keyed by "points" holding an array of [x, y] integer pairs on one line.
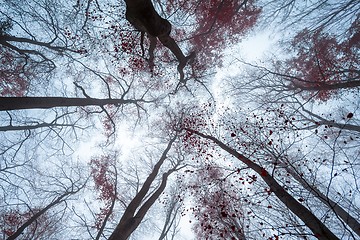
{"points": [[104, 180], [128, 43], [13, 75], [219, 22], [321, 59], [108, 126], [137, 64], [11, 220], [103, 176], [196, 121], [218, 211]]}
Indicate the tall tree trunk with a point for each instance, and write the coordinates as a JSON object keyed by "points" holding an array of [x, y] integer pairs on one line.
{"points": [[17, 103], [342, 213], [143, 16], [131, 219], [310, 220]]}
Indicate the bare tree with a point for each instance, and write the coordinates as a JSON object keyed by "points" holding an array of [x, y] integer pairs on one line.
{"points": [[138, 207], [35, 218], [173, 208], [309, 219]]}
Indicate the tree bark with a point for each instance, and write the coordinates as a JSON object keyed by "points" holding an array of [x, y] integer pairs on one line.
{"points": [[31, 127], [319, 86], [310, 220], [17, 103], [131, 220], [342, 213], [143, 16]]}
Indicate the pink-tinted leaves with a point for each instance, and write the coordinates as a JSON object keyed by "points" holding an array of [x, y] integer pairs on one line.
{"points": [[322, 60], [219, 22], [103, 176], [13, 76], [102, 170], [13, 219]]}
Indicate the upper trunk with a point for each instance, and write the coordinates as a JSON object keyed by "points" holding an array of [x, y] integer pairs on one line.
{"points": [[17, 103], [143, 16]]}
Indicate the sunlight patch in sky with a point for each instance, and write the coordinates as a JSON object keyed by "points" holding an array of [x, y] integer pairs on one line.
{"points": [[254, 47]]}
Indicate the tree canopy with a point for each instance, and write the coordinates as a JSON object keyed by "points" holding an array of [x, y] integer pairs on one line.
{"points": [[143, 119]]}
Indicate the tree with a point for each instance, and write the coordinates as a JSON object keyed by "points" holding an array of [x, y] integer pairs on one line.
{"points": [[104, 171], [343, 214], [268, 136], [136, 210], [143, 16], [38, 212], [17, 103], [317, 227], [321, 58], [173, 206], [13, 220], [35, 216], [313, 143], [210, 29], [322, 64], [13, 77], [31, 52]]}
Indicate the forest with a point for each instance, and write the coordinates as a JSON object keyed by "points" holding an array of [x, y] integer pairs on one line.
{"points": [[179, 119]]}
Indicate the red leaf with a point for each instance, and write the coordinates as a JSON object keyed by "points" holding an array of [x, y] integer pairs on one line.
{"points": [[350, 115]]}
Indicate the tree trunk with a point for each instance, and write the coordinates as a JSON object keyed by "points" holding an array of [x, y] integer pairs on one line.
{"points": [[17, 103], [31, 127], [319, 86], [35, 217], [130, 221], [143, 16], [311, 221], [344, 215]]}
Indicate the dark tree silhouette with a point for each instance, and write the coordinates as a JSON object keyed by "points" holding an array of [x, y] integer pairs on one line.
{"points": [[138, 207], [310, 220]]}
